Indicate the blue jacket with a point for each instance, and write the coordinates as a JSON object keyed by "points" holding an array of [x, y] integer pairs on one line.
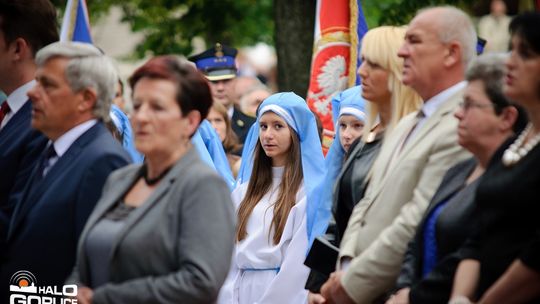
{"points": [[48, 220], [20, 147]]}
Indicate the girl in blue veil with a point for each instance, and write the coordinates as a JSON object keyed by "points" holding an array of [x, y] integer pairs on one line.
{"points": [[349, 114], [282, 164]]}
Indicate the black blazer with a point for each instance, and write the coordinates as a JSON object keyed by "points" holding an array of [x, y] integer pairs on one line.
{"points": [[348, 190], [47, 222], [241, 123], [507, 211], [452, 228], [20, 147], [353, 177]]}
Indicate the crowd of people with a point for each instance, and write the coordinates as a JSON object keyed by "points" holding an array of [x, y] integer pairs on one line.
{"points": [[215, 189]]}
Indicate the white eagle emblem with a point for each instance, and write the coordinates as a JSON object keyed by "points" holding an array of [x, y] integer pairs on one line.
{"points": [[332, 79]]}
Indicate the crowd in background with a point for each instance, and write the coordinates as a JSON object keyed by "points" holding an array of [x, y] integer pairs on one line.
{"points": [[216, 189]]}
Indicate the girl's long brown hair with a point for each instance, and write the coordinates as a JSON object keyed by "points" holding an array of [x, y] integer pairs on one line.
{"points": [[260, 183]]}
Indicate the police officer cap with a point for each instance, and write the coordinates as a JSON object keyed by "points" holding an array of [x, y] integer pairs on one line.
{"points": [[216, 63]]}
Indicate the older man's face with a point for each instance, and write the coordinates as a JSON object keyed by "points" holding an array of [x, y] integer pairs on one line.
{"points": [[423, 53], [55, 107]]}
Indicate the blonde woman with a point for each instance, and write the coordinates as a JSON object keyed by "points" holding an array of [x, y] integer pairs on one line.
{"points": [[388, 100], [381, 72], [272, 204]]}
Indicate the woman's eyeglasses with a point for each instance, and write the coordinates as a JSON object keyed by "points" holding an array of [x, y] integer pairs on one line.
{"points": [[468, 104]]}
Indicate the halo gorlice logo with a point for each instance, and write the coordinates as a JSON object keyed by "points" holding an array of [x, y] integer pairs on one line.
{"points": [[23, 281], [24, 290]]}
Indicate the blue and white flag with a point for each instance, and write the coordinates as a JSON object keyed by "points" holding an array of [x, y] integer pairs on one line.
{"points": [[76, 24]]}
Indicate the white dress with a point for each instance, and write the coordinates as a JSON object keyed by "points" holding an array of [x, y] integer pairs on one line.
{"points": [[262, 272]]}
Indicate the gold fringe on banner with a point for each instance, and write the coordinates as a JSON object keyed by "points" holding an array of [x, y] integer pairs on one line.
{"points": [[353, 4], [74, 7]]}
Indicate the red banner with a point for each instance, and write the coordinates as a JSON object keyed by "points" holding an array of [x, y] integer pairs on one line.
{"points": [[330, 63]]}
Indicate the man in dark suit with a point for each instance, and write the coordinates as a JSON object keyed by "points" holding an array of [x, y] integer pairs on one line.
{"points": [[218, 65], [70, 102], [25, 27]]}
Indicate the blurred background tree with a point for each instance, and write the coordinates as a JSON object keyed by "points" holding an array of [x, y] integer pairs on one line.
{"points": [[169, 26]]}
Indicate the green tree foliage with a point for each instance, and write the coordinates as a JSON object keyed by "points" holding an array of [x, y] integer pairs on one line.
{"points": [[170, 25], [400, 12]]}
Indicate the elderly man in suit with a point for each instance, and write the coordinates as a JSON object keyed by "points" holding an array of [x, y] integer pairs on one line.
{"points": [[439, 44], [25, 27], [70, 102]]}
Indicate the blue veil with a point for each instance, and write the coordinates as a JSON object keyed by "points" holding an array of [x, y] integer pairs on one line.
{"points": [[348, 102], [294, 110], [122, 124], [198, 143], [214, 147]]}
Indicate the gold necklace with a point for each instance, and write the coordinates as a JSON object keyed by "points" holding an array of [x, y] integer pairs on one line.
{"points": [[517, 150]]}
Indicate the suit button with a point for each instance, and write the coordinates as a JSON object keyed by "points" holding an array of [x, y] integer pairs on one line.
{"points": [[362, 223]]}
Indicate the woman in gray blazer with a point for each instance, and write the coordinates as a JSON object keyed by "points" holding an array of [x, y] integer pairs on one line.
{"points": [[163, 231]]}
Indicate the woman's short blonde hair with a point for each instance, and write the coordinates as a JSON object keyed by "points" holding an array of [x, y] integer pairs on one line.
{"points": [[380, 45]]}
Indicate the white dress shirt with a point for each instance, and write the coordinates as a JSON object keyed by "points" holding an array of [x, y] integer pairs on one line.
{"points": [[62, 144], [431, 105]]}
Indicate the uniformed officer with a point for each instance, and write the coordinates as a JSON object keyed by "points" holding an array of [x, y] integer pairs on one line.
{"points": [[218, 65]]}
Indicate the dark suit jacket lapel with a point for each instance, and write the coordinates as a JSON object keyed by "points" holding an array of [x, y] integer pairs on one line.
{"points": [[352, 157], [447, 189], [20, 119], [24, 204], [37, 188], [455, 183]]}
